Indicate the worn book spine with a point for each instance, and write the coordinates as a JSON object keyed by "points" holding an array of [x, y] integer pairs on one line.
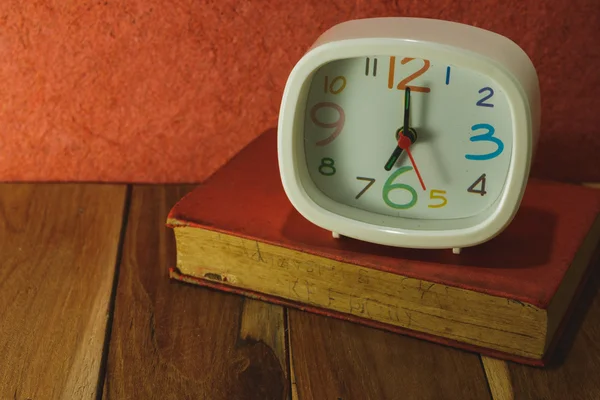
{"points": [[352, 292]]}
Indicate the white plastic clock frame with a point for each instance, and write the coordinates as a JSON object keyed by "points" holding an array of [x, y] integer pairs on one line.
{"points": [[455, 44]]}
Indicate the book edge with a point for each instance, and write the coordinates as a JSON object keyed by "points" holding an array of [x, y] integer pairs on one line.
{"points": [[228, 281], [174, 222], [175, 274]]}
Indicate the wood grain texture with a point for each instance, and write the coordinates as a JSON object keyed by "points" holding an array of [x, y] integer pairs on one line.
{"points": [[58, 246], [574, 372], [171, 340], [262, 321], [338, 360]]}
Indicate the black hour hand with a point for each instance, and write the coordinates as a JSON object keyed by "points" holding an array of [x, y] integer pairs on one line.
{"points": [[411, 136], [393, 158]]}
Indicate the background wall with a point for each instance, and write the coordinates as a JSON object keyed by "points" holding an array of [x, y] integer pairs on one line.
{"points": [[166, 91]]}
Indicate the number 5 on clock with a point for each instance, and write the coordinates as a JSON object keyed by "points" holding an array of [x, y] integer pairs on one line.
{"points": [[438, 195]]}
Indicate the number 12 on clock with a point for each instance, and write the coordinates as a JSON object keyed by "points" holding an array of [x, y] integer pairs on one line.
{"points": [[420, 67]]}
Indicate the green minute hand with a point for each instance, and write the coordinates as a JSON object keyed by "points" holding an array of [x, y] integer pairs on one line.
{"points": [[406, 109]]}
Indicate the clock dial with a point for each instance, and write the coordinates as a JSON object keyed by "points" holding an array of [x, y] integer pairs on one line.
{"points": [[461, 122]]}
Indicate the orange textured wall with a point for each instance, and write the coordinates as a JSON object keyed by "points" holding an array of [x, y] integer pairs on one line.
{"points": [[166, 91]]}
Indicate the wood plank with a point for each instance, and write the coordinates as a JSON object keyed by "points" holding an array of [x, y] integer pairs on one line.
{"points": [[334, 359], [292, 373], [59, 246], [172, 340], [264, 321], [498, 377], [574, 372]]}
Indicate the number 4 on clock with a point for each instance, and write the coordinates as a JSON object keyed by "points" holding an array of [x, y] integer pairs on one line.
{"points": [[479, 182]]}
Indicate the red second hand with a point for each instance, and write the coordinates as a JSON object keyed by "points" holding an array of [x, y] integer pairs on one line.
{"points": [[404, 143], [416, 169]]}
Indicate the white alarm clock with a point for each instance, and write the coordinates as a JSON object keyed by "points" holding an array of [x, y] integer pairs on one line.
{"points": [[409, 132]]}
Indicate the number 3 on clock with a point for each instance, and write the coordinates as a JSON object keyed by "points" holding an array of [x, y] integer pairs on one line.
{"points": [[486, 137]]}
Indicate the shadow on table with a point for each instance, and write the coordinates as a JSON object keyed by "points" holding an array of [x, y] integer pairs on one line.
{"points": [[526, 243], [581, 307]]}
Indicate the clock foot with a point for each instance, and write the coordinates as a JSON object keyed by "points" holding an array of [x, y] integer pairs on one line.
{"points": [[335, 235], [456, 250]]}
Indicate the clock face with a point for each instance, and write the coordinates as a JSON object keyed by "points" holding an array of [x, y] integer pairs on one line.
{"points": [[456, 167]]}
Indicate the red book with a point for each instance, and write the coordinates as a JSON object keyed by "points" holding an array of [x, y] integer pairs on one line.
{"points": [[508, 298]]}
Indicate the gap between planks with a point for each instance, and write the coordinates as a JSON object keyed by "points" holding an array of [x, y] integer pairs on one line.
{"points": [[113, 294]]}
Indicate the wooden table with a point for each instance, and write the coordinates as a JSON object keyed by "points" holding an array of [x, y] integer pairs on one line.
{"points": [[88, 311]]}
